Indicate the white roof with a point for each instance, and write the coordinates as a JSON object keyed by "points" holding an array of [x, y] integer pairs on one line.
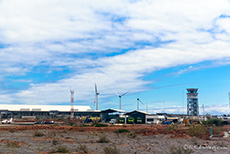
{"points": [[43, 107]]}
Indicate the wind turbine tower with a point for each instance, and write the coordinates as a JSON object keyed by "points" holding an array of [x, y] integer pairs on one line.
{"points": [[120, 98], [96, 96], [72, 101], [138, 102]]}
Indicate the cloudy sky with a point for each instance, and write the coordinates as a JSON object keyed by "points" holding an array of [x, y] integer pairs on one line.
{"points": [[153, 49]]}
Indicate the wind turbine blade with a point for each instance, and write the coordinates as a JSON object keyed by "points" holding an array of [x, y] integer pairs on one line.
{"points": [[124, 93], [116, 93], [141, 102], [95, 88]]}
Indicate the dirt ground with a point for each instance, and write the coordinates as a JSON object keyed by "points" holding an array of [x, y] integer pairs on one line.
{"points": [[129, 139]]}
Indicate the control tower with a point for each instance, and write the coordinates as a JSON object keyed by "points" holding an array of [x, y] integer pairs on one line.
{"points": [[192, 102]]}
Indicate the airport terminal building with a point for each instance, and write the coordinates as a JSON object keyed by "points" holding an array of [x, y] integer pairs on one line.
{"points": [[45, 111]]}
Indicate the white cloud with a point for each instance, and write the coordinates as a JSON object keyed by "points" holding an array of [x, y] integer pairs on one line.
{"points": [[45, 32]]}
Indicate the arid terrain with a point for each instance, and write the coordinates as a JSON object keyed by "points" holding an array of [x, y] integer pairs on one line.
{"points": [[126, 139]]}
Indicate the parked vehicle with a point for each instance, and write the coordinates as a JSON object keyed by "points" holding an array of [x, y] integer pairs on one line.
{"points": [[7, 121], [112, 121], [44, 122]]}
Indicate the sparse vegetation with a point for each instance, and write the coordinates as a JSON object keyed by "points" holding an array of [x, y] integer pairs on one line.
{"points": [[198, 131], [103, 139], [122, 131], [111, 150], [38, 134], [99, 125], [216, 122], [82, 148], [61, 149], [52, 133], [172, 127], [13, 144], [132, 135], [55, 142], [11, 130], [180, 150]]}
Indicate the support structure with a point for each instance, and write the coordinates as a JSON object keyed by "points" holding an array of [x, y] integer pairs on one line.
{"points": [[72, 101], [229, 102], [192, 102]]}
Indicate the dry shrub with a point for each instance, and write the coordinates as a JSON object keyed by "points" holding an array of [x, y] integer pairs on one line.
{"points": [[198, 131], [103, 139], [180, 150], [13, 144], [82, 148], [61, 149], [111, 150], [38, 134]]}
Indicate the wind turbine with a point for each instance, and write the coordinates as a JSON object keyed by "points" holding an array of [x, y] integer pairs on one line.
{"points": [[120, 97], [96, 96], [138, 101]]}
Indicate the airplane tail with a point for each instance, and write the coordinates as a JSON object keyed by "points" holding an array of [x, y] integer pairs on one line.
{"points": [[11, 119]]}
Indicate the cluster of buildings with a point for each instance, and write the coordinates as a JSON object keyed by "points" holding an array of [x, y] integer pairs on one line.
{"points": [[64, 112]]}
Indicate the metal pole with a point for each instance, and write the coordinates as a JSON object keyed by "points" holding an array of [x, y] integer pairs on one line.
{"points": [[120, 102], [137, 104], [96, 102]]}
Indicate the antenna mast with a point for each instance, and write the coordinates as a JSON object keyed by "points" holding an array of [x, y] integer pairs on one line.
{"points": [[229, 101], [72, 101]]}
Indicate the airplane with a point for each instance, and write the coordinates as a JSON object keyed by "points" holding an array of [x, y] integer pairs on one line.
{"points": [[7, 121]]}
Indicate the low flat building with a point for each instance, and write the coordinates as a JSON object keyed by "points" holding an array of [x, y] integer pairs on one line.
{"points": [[45, 111]]}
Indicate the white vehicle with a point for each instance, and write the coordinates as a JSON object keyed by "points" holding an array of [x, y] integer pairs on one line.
{"points": [[112, 121], [7, 121]]}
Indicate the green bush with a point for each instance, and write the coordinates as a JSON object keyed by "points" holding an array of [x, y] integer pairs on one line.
{"points": [[122, 131], [111, 150], [216, 122]]}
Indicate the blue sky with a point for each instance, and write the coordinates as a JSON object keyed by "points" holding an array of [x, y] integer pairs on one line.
{"points": [[153, 49]]}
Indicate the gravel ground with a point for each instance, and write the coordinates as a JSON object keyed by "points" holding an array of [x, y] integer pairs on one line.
{"points": [[44, 141]]}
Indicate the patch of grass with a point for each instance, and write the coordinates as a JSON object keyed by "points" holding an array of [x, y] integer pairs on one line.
{"points": [[82, 148], [103, 139], [180, 150], [111, 150], [61, 149], [122, 131], [13, 144], [38, 134]]}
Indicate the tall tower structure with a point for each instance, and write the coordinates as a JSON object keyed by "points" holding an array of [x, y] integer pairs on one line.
{"points": [[72, 101], [192, 102]]}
